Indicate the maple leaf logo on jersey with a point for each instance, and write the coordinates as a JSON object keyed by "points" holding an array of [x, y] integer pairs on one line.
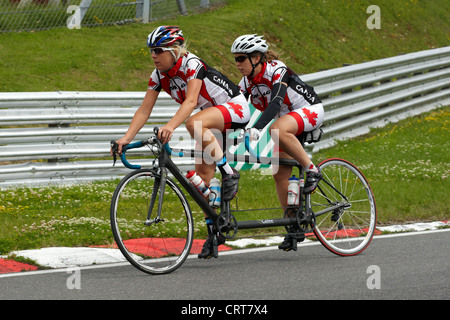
{"points": [[276, 77], [237, 108], [312, 116], [152, 83], [190, 73]]}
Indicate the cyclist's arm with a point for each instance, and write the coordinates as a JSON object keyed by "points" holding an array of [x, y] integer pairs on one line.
{"points": [[279, 90], [139, 119], [185, 110]]}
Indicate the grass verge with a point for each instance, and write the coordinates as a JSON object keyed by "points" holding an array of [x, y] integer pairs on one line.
{"points": [[407, 166], [409, 178], [309, 35]]}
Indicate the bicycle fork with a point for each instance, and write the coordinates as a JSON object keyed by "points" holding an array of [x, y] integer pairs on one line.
{"points": [[159, 187]]}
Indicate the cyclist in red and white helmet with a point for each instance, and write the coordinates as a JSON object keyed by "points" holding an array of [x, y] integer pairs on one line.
{"points": [[194, 85], [280, 94], [165, 36]]}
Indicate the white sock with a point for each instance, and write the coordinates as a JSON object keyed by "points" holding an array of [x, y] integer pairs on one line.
{"points": [[311, 167], [224, 167]]}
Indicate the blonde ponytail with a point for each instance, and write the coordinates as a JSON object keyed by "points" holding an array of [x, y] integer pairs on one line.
{"points": [[269, 56], [180, 49]]}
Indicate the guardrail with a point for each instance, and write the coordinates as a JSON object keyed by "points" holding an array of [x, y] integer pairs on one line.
{"points": [[64, 134], [370, 94], [51, 137]]}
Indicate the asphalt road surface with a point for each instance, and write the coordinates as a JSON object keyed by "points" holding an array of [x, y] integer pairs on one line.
{"points": [[412, 265]]}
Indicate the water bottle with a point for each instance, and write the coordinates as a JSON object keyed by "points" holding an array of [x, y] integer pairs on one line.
{"points": [[214, 196], [198, 182], [293, 191]]}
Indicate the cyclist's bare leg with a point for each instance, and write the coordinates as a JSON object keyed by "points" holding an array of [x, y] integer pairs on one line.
{"points": [[206, 170], [284, 129], [281, 175], [199, 127]]}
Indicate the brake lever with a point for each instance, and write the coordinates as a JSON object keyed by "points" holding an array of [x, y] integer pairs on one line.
{"points": [[114, 148]]}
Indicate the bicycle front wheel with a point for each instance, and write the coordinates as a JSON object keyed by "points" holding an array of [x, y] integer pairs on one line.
{"points": [[153, 243], [344, 208]]}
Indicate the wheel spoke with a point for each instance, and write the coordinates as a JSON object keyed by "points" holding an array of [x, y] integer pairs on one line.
{"points": [[353, 210], [154, 244]]}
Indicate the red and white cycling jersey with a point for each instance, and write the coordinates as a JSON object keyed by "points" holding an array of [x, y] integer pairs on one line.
{"points": [[298, 95], [300, 101], [217, 89]]}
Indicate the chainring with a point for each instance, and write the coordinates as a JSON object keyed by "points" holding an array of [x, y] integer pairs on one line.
{"points": [[227, 225]]}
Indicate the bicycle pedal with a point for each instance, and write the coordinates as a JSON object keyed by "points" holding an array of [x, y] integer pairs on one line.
{"points": [[213, 255], [292, 248], [294, 244], [210, 255]]}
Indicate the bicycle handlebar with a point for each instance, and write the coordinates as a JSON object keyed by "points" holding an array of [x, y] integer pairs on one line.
{"points": [[248, 147], [139, 144], [171, 152], [125, 148], [246, 139], [168, 149]]}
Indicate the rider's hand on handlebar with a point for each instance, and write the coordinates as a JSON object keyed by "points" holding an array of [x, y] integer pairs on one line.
{"points": [[165, 134], [120, 143], [254, 134]]}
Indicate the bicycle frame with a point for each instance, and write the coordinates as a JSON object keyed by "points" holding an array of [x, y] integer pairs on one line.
{"points": [[339, 219], [165, 163]]}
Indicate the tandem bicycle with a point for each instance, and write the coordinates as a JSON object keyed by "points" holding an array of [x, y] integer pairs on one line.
{"points": [[152, 221]]}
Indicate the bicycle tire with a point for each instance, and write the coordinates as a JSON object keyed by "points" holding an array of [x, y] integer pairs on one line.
{"points": [[349, 230], [160, 247]]}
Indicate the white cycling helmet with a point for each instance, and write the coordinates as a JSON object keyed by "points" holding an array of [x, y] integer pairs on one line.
{"points": [[249, 43]]}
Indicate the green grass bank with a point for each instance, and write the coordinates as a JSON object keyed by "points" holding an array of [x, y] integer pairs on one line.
{"points": [[406, 162], [409, 178], [309, 36]]}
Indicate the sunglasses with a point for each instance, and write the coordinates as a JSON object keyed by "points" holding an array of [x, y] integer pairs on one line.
{"points": [[240, 59], [158, 51]]}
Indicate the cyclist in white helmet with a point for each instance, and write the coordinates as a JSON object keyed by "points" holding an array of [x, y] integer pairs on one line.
{"points": [[280, 94], [194, 85]]}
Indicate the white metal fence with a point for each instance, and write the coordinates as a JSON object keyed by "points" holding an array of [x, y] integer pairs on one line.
{"points": [[27, 15], [64, 136]]}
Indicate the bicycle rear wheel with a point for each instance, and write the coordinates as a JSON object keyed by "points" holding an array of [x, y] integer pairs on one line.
{"points": [[153, 244], [344, 207]]}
